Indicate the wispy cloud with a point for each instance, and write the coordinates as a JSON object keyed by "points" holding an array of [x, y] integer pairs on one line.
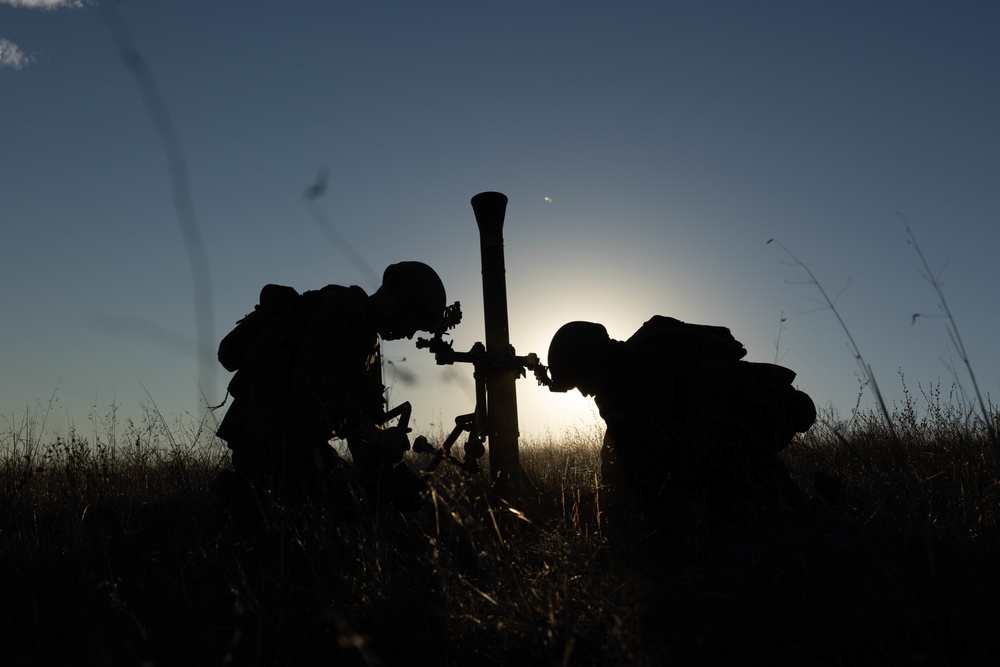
{"points": [[43, 4], [11, 55]]}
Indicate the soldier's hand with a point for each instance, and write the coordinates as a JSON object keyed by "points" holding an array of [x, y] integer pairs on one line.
{"points": [[393, 443]]}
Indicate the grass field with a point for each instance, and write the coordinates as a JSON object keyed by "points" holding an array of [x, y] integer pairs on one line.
{"points": [[112, 552]]}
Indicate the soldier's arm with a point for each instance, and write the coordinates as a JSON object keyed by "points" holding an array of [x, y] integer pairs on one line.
{"points": [[331, 368]]}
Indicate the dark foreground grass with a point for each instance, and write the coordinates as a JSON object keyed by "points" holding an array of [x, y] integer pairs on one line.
{"points": [[111, 552]]}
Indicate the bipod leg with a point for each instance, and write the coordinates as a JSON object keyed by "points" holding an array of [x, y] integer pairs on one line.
{"points": [[402, 411]]}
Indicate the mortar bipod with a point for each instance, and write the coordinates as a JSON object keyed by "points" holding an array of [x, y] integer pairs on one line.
{"points": [[472, 422], [402, 411], [474, 448]]}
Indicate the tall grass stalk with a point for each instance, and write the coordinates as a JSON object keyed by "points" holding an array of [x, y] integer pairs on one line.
{"points": [[956, 337], [866, 368], [180, 186]]}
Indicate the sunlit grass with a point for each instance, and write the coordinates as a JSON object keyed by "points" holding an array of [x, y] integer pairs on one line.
{"points": [[945, 482], [113, 553]]}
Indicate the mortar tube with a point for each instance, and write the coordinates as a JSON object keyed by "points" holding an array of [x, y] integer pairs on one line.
{"points": [[501, 427]]}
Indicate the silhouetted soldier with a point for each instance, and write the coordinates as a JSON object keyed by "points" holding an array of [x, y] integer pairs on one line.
{"points": [[686, 416], [309, 370]]}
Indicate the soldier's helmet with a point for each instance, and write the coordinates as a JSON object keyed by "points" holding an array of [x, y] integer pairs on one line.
{"points": [[575, 353], [421, 287]]}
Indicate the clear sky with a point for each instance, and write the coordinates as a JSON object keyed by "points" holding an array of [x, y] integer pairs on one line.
{"points": [[649, 151]]}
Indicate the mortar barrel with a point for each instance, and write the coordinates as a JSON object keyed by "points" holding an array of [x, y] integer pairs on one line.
{"points": [[501, 430]]}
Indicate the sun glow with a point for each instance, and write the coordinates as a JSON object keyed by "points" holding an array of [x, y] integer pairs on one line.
{"points": [[621, 300]]}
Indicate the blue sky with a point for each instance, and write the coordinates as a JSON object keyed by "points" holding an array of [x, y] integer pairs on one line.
{"points": [[649, 151]]}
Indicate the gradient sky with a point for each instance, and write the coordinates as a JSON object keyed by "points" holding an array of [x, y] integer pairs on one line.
{"points": [[649, 151]]}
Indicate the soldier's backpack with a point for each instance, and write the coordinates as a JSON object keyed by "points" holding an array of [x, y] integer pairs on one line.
{"points": [[237, 347], [706, 339]]}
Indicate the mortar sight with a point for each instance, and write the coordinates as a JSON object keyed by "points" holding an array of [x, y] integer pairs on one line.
{"points": [[449, 320]]}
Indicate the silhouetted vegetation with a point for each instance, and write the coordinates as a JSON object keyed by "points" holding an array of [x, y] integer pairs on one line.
{"points": [[112, 551]]}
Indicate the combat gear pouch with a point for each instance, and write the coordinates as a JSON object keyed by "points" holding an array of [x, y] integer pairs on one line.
{"points": [[234, 347]]}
